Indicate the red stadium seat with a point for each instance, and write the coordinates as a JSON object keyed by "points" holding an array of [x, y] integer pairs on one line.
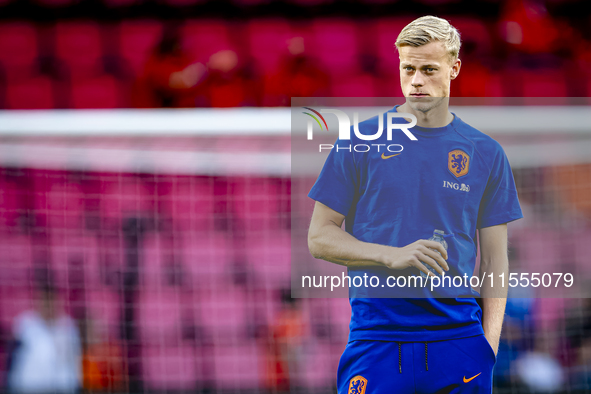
{"points": [[390, 86], [538, 251], [473, 31], [182, 3], [171, 368], [268, 41], [62, 206], [340, 316], [223, 314], [16, 260], [190, 203], [86, 248], [16, 265], [302, 205], [120, 3], [162, 262], [476, 80], [206, 258], [78, 45], [111, 262], [256, 204], [269, 257], [14, 301], [34, 93], [434, 3], [582, 250], [336, 45], [136, 41], [250, 2], [310, 3], [534, 84], [122, 197], [103, 306], [202, 38], [319, 364], [56, 3], [378, 2], [100, 92], [72, 251], [152, 262], [361, 85], [307, 32], [18, 49], [159, 316], [267, 303], [547, 83], [386, 32], [238, 367], [10, 205], [550, 312]]}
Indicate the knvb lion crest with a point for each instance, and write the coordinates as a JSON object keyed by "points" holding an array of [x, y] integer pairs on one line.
{"points": [[357, 385], [458, 162]]}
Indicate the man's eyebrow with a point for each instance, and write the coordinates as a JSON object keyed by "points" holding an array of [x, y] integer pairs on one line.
{"points": [[404, 65]]}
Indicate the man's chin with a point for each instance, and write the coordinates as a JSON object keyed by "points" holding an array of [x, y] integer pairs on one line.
{"points": [[424, 103]]}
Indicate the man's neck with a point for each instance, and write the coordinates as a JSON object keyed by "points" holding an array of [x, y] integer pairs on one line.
{"points": [[435, 117]]}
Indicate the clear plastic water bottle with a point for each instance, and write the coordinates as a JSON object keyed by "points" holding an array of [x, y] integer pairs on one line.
{"points": [[437, 237]]}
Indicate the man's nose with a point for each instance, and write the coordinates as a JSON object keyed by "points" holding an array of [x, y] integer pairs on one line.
{"points": [[417, 80]]}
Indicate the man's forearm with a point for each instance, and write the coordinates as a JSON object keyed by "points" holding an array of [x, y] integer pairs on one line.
{"points": [[493, 260], [494, 299], [333, 244], [328, 241], [493, 312]]}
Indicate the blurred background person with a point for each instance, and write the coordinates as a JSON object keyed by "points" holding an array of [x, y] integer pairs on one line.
{"points": [[170, 77], [102, 362], [298, 75], [46, 354], [287, 335], [230, 83]]}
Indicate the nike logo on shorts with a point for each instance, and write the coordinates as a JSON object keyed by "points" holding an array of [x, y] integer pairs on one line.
{"points": [[473, 377]]}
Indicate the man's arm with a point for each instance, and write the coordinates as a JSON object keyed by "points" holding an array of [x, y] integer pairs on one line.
{"points": [[493, 259], [328, 241]]}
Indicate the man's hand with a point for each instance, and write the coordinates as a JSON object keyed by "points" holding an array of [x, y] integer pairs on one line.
{"points": [[415, 254]]}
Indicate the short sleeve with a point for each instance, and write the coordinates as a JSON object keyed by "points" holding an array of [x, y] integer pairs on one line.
{"points": [[500, 203], [337, 183]]}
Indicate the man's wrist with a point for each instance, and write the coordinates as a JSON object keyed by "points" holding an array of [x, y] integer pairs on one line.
{"points": [[383, 254]]}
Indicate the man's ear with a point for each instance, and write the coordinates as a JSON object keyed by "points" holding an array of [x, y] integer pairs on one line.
{"points": [[455, 69]]}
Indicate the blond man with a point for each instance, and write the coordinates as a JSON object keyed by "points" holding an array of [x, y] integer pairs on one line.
{"points": [[454, 182]]}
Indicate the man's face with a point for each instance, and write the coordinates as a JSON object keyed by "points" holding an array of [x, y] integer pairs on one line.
{"points": [[425, 74]]}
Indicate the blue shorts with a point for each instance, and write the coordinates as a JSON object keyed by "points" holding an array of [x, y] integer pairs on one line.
{"points": [[454, 366]]}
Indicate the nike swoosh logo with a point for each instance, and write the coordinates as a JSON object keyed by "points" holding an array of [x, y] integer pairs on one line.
{"points": [[387, 157], [467, 380]]}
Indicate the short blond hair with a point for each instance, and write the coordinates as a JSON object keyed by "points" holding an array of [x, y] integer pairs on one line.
{"points": [[428, 28]]}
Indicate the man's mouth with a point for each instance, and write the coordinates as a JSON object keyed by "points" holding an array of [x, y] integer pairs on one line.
{"points": [[419, 94]]}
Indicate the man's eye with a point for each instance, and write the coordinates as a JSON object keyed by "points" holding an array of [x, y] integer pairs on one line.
{"points": [[430, 69], [408, 68]]}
